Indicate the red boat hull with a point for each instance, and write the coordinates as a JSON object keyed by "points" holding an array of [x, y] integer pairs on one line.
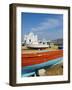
{"points": [[37, 58]]}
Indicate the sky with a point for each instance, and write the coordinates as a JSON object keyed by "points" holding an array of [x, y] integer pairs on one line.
{"points": [[46, 26]]}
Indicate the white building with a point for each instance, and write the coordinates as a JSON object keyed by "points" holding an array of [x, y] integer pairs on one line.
{"points": [[31, 38]]}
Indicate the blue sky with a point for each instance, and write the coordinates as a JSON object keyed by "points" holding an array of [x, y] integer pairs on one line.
{"points": [[46, 26]]}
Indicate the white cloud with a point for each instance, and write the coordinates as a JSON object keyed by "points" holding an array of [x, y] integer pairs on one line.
{"points": [[47, 24], [50, 28]]}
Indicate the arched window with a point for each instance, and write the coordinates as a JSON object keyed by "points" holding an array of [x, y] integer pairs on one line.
{"points": [[29, 40]]}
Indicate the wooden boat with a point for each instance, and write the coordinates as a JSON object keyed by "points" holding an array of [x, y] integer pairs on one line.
{"points": [[37, 46], [40, 57]]}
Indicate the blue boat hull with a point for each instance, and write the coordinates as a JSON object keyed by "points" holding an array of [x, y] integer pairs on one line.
{"points": [[33, 68]]}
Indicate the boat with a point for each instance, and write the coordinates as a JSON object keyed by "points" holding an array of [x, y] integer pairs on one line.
{"points": [[37, 46], [32, 41], [31, 62], [40, 57], [27, 71]]}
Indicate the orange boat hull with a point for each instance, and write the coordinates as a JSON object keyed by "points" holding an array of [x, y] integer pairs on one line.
{"points": [[37, 58]]}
